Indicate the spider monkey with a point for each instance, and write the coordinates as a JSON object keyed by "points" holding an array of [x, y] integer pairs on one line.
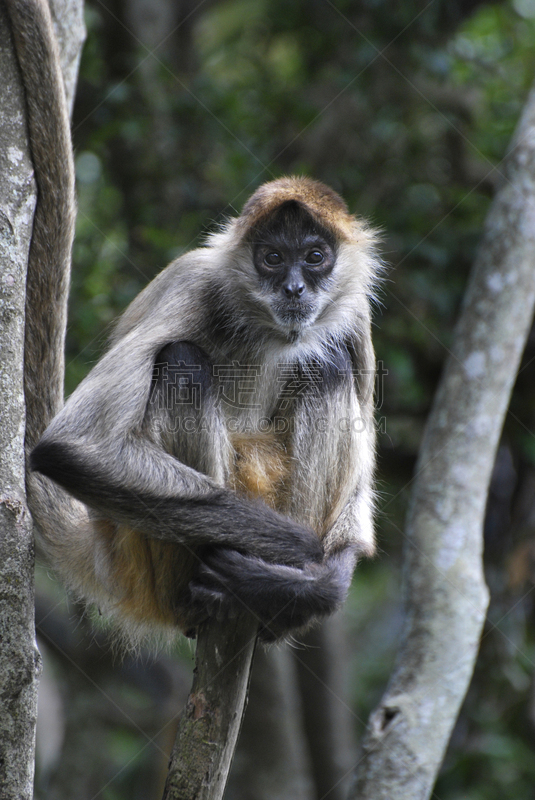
{"points": [[219, 457]]}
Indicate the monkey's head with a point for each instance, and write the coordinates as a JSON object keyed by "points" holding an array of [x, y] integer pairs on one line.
{"points": [[303, 242], [293, 256]]}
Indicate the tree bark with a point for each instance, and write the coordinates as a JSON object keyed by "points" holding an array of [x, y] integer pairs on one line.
{"points": [[446, 592], [208, 732], [19, 658]]}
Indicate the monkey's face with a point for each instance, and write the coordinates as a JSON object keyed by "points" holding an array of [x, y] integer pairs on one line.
{"points": [[293, 260]]}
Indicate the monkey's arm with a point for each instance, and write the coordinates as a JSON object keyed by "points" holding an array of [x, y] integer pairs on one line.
{"points": [[135, 483], [98, 450]]}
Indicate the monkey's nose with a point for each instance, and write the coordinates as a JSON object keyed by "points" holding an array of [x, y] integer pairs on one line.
{"points": [[294, 289]]}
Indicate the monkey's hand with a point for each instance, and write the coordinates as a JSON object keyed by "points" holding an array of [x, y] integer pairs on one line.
{"points": [[282, 598]]}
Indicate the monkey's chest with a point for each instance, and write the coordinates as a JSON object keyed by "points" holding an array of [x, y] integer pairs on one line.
{"points": [[261, 467], [259, 435]]}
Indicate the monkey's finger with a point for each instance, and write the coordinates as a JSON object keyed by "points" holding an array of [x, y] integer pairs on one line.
{"points": [[210, 577], [216, 602], [224, 560]]}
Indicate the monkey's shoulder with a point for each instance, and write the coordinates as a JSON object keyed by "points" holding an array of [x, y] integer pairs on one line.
{"points": [[174, 299]]}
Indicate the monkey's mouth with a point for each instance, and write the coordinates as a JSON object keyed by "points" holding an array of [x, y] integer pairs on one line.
{"points": [[294, 315]]}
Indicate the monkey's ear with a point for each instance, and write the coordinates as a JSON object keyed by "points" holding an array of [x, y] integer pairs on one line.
{"points": [[323, 204]]}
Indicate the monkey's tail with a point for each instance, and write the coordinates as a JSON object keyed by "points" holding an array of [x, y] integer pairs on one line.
{"points": [[61, 522], [53, 226]]}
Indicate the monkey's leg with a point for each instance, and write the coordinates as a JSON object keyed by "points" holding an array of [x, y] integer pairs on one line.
{"points": [[325, 439], [332, 449]]}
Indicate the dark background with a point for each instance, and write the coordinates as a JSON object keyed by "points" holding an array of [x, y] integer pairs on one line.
{"points": [[406, 109]]}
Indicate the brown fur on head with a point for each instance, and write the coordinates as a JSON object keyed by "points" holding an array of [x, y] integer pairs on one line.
{"points": [[322, 203]]}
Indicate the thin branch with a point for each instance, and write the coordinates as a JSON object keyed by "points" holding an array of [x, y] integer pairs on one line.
{"points": [[208, 731]]}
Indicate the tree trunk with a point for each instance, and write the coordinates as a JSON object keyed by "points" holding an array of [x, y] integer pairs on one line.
{"points": [[19, 658], [446, 593]]}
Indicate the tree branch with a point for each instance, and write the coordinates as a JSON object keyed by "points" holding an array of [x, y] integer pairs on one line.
{"points": [[208, 732]]}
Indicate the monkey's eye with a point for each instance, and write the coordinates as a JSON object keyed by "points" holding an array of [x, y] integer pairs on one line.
{"points": [[315, 258], [273, 259]]}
